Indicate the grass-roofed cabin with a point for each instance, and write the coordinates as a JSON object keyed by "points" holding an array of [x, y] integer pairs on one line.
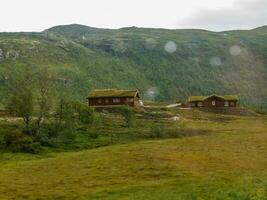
{"points": [[113, 97], [213, 101]]}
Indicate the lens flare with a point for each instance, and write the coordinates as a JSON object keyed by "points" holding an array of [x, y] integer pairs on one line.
{"points": [[215, 61], [170, 47], [235, 50]]}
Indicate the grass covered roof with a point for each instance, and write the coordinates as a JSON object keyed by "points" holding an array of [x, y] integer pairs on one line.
{"points": [[203, 98], [113, 93]]}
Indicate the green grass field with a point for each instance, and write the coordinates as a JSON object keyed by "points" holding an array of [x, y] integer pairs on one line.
{"points": [[227, 160]]}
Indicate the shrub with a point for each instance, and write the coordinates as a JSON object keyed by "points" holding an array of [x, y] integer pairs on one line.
{"points": [[86, 114], [19, 142], [48, 133], [93, 135], [156, 131], [128, 114], [62, 126], [261, 111]]}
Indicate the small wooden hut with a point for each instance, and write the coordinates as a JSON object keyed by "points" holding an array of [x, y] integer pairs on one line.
{"points": [[213, 101], [113, 97]]}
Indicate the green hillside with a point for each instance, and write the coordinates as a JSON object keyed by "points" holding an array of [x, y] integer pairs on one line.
{"points": [[162, 64]]}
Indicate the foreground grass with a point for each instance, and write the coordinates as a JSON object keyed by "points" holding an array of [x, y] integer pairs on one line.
{"points": [[229, 163]]}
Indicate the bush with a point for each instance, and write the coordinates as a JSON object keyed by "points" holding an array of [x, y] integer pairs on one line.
{"points": [[61, 127], [93, 135], [18, 142], [128, 114], [86, 114], [48, 133], [156, 131], [261, 111]]}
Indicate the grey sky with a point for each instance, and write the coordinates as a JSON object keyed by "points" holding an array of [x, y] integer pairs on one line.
{"points": [[37, 15], [242, 14]]}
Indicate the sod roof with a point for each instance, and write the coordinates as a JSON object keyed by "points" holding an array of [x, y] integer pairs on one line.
{"points": [[113, 93], [203, 98]]}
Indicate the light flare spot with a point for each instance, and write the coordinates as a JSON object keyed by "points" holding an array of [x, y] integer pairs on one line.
{"points": [[152, 93], [235, 50], [215, 61], [170, 47]]}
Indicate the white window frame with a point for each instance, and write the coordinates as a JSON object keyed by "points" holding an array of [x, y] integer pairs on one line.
{"points": [[116, 100], [226, 104], [200, 104], [130, 99], [213, 103]]}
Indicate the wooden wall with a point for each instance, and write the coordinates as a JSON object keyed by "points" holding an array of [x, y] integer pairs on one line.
{"points": [[209, 103], [114, 101]]}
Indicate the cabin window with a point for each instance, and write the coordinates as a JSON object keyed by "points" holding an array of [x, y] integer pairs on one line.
{"points": [[200, 104], [232, 103], [129, 99], [99, 101], [193, 104], [116, 100], [106, 100], [213, 103], [226, 103]]}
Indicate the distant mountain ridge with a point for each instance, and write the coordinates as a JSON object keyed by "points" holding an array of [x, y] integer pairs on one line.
{"points": [[163, 64]]}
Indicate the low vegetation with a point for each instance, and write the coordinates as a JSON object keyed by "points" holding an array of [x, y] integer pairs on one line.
{"points": [[202, 156], [55, 147], [45, 119]]}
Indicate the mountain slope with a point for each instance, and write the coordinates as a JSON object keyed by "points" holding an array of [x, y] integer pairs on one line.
{"points": [[163, 64]]}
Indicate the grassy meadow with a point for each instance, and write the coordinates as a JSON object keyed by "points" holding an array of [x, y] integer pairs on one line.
{"points": [[202, 156]]}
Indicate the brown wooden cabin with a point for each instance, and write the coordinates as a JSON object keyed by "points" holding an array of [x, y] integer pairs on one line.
{"points": [[113, 97], [213, 101]]}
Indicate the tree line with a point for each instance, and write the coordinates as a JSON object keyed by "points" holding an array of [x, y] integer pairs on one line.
{"points": [[48, 116]]}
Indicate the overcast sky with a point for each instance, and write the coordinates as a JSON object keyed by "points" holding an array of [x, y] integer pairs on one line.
{"points": [[216, 15]]}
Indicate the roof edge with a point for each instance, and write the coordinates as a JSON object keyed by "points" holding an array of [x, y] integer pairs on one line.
{"points": [[113, 93], [203, 98]]}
